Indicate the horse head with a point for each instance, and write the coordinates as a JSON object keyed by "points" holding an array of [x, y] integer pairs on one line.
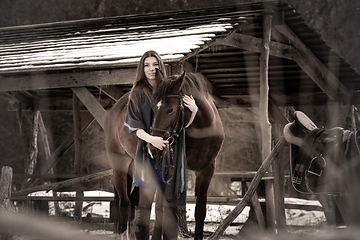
{"points": [[169, 112]]}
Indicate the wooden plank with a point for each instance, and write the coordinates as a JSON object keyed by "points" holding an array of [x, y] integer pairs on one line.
{"points": [[47, 176], [91, 104], [223, 200], [113, 92], [235, 174], [253, 44], [250, 192], [64, 104], [61, 199], [243, 175], [320, 74], [66, 183], [123, 76]]}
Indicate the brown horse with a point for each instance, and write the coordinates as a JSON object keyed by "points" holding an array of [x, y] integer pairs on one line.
{"points": [[204, 138]]}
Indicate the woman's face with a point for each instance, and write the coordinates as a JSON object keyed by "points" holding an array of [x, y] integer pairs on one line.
{"points": [[150, 63]]}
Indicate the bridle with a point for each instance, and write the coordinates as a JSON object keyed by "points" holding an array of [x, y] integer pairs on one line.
{"points": [[167, 155]]}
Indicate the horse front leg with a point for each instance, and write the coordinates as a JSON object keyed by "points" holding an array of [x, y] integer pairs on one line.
{"points": [[203, 180], [159, 209]]}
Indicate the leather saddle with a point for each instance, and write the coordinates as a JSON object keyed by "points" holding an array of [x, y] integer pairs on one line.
{"points": [[303, 125], [316, 164]]}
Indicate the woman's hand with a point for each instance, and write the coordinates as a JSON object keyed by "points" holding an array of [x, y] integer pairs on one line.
{"points": [[157, 142], [190, 103]]}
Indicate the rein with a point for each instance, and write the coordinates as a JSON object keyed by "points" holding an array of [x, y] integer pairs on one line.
{"points": [[167, 155]]}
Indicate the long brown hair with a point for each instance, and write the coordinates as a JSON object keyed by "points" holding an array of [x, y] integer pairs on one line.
{"points": [[140, 83]]}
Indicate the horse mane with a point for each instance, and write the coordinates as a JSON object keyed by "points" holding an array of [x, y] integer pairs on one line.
{"points": [[193, 84]]}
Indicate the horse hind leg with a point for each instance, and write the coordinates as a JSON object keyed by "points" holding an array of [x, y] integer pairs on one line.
{"points": [[122, 202], [134, 201]]}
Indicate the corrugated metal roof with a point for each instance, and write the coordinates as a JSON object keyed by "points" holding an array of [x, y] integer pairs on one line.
{"points": [[119, 42], [103, 48], [112, 41]]}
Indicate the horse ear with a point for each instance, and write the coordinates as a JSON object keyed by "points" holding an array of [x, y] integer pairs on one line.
{"points": [[159, 75], [179, 82]]}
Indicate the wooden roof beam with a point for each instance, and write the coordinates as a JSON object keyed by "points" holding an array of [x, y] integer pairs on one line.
{"points": [[20, 97], [214, 91], [211, 87], [314, 68], [296, 51], [123, 76], [91, 104], [253, 44], [299, 99], [112, 92]]}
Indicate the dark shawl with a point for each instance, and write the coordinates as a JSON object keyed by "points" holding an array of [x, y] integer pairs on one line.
{"points": [[142, 119]]}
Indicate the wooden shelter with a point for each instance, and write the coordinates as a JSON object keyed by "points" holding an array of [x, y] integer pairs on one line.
{"points": [[260, 54]]}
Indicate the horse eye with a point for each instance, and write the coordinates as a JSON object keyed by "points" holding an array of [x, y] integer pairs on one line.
{"points": [[169, 111]]}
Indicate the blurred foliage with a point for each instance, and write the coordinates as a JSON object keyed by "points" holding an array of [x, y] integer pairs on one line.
{"points": [[24, 12]]}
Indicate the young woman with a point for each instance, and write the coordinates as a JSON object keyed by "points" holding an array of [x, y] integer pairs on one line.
{"points": [[148, 178]]}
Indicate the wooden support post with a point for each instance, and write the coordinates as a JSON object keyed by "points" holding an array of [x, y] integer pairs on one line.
{"points": [[250, 192], [45, 143], [279, 187], [33, 149], [264, 117], [5, 189], [78, 155], [257, 208], [279, 168], [5, 204]]}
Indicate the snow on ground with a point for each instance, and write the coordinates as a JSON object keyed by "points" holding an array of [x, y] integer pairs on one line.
{"points": [[215, 213]]}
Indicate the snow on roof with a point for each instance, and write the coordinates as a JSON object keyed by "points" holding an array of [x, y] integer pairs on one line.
{"points": [[104, 47]]}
